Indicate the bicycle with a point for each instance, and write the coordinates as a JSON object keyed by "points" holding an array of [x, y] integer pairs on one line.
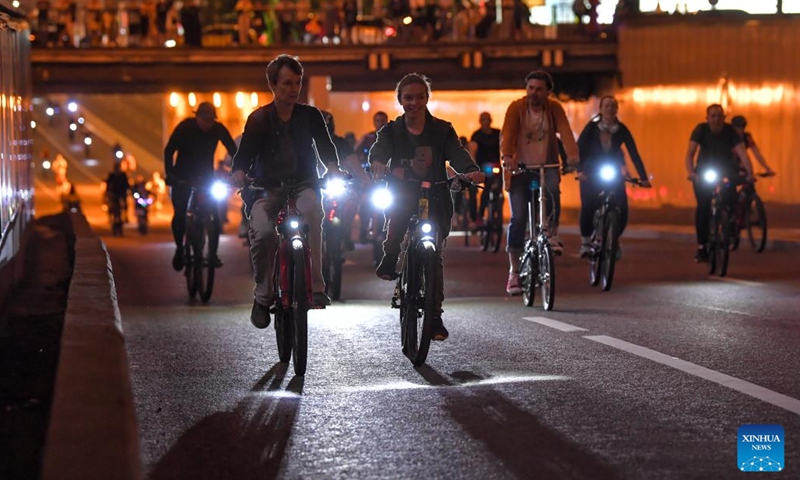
{"points": [[416, 288], [604, 242], [492, 231], [721, 225], [116, 207], [335, 195], [202, 221], [537, 265], [291, 275], [751, 216]]}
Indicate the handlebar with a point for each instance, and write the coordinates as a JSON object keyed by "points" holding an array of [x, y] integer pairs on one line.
{"points": [[522, 168]]}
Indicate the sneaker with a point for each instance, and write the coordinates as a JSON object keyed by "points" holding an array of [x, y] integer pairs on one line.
{"points": [[438, 332], [556, 245], [701, 256], [259, 316], [177, 259], [513, 286], [386, 269], [320, 300], [586, 250]]}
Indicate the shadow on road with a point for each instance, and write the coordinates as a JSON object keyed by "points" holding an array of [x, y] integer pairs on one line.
{"points": [[521, 441], [248, 442]]}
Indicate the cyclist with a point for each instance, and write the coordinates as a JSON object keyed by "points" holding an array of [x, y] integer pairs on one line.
{"points": [[348, 162], [361, 149], [283, 140], [418, 143], [117, 187], [194, 140], [529, 138], [600, 141], [484, 146], [739, 123], [716, 144]]}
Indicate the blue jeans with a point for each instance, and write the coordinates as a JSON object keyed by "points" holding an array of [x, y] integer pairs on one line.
{"points": [[520, 195]]}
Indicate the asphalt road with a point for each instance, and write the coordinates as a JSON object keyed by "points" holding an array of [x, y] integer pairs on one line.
{"points": [[651, 380]]}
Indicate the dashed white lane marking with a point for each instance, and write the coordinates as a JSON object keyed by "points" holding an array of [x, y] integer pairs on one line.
{"points": [[564, 327], [755, 391]]}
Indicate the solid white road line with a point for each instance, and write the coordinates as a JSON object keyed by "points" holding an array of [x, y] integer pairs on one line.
{"points": [[755, 391], [564, 327]]}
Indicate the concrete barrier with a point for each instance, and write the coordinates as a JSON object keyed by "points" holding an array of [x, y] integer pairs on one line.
{"points": [[93, 432]]}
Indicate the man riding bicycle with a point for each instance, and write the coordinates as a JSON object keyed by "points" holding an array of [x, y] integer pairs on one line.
{"points": [[718, 145], [283, 141], [194, 140], [417, 144]]}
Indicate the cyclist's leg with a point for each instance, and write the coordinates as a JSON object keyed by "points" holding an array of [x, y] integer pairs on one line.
{"points": [[519, 197], [309, 205], [552, 178], [590, 202], [703, 193], [213, 234], [180, 197], [622, 202], [263, 243]]}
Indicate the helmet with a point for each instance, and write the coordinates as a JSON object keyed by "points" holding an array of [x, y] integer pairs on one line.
{"points": [[739, 121]]}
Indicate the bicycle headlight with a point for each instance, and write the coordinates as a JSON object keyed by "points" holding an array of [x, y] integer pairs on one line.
{"points": [[426, 227], [335, 187], [710, 176], [608, 173], [294, 224], [382, 198], [219, 190]]}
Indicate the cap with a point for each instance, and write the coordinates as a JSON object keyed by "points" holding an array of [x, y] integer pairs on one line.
{"points": [[739, 121], [206, 110]]}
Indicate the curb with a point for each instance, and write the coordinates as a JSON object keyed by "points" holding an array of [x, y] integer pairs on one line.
{"points": [[93, 432]]}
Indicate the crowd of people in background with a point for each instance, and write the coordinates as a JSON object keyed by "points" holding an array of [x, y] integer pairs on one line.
{"points": [[149, 23]]}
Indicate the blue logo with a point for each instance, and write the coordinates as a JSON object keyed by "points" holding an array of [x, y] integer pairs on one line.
{"points": [[760, 448]]}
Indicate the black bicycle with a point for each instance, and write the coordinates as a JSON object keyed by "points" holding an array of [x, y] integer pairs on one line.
{"points": [[416, 288], [721, 224], [492, 231], [202, 226], [291, 275], [751, 216], [607, 228], [335, 194], [537, 265]]}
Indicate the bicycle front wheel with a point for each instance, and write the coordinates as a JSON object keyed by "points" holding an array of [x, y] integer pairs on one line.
{"points": [[284, 333], [421, 304], [527, 275], [188, 268], [608, 254], [547, 275], [722, 235], [300, 307], [756, 223]]}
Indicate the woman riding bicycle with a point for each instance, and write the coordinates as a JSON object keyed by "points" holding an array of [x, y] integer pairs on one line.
{"points": [[418, 144], [601, 142], [283, 141]]}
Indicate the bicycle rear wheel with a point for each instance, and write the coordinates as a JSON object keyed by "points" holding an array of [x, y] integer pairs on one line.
{"points": [[208, 265], [547, 275], [608, 255], [756, 223], [527, 274], [300, 306], [420, 308]]}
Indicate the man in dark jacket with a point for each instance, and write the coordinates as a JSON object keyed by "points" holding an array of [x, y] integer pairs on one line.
{"points": [[194, 140], [283, 141]]}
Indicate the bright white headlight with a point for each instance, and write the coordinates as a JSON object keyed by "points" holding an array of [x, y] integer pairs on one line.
{"points": [[608, 173], [219, 190], [294, 224], [426, 228], [710, 176], [382, 198], [335, 187], [297, 244]]}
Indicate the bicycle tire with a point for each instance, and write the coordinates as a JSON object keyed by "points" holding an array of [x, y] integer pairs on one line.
{"points": [[547, 275], [421, 308], [723, 247], [527, 273], [712, 244], [756, 231], [284, 333], [608, 255], [188, 268], [209, 269], [332, 263], [300, 306], [594, 258]]}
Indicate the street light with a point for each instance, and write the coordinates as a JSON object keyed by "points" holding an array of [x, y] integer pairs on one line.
{"points": [[72, 106]]}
